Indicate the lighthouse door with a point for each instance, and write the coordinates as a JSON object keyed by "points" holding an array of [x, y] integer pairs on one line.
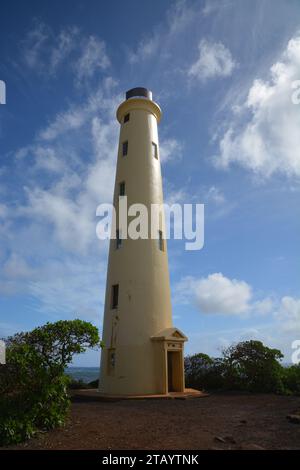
{"points": [[170, 372], [175, 371]]}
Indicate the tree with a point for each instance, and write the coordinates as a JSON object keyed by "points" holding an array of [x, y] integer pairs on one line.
{"points": [[33, 385], [203, 372], [254, 367], [291, 379], [56, 343], [246, 366]]}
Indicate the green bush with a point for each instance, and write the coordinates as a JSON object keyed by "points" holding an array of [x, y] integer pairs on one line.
{"points": [[23, 414], [247, 366], [94, 383], [203, 372], [291, 379], [252, 366], [78, 384], [33, 385]]}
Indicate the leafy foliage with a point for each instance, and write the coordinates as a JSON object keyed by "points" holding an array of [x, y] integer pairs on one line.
{"points": [[291, 379], [203, 371], [251, 366], [80, 384], [33, 385], [247, 366]]}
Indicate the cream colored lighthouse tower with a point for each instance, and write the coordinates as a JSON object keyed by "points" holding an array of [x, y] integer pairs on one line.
{"points": [[143, 352]]}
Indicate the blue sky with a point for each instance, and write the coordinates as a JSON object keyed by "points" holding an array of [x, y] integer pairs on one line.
{"points": [[222, 72]]}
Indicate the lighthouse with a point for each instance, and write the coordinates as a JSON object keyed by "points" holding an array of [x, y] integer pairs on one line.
{"points": [[142, 351]]}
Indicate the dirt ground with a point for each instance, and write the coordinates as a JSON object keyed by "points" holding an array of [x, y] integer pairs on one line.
{"points": [[220, 421]]}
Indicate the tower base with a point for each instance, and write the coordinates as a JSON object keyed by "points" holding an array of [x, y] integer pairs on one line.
{"points": [[95, 395]]}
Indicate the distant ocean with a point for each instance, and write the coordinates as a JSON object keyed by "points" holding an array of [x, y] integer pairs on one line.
{"points": [[86, 374]]}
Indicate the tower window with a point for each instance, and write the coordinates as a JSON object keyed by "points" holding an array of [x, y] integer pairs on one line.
{"points": [[161, 243], [125, 148], [111, 361], [154, 150], [126, 117], [115, 296], [118, 239], [122, 188]]}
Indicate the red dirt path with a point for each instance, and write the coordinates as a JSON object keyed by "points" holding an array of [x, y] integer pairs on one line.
{"points": [[221, 421]]}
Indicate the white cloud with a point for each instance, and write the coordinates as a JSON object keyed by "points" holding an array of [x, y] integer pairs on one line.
{"points": [[170, 149], [71, 119], [180, 16], [47, 159], [162, 41], [175, 196], [215, 6], [223, 206], [289, 314], [268, 141], [56, 258], [145, 49], [16, 267], [72, 228], [217, 294], [103, 99], [101, 174], [33, 44], [215, 194], [93, 57], [264, 306], [65, 44], [71, 215], [54, 253], [44, 51], [214, 60], [78, 284]]}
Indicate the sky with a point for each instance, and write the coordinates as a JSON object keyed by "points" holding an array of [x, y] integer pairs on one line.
{"points": [[223, 73]]}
